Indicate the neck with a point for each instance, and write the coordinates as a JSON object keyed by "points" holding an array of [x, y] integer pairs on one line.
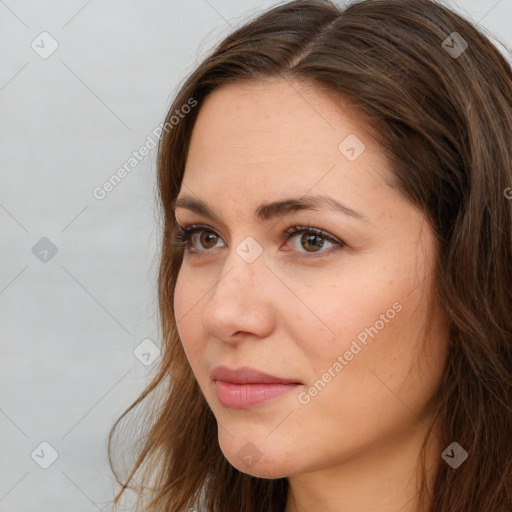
{"points": [[383, 479]]}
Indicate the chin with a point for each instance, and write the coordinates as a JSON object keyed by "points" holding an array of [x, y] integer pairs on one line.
{"points": [[258, 459]]}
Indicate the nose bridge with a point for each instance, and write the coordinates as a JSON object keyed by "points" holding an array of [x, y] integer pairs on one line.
{"points": [[244, 265], [237, 302]]}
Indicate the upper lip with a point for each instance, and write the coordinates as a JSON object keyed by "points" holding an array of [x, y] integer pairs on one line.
{"points": [[247, 375]]}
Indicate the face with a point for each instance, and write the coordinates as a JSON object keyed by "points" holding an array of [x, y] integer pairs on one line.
{"points": [[335, 316]]}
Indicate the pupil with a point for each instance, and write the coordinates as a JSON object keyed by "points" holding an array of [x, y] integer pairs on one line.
{"points": [[206, 236], [310, 239]]}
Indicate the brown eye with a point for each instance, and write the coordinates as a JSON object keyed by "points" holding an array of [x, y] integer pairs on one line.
{"points": [[207, 239], [313, 241], [186, 238]]}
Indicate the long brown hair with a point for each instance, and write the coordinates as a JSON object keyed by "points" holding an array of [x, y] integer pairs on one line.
{"points": [[442, 113]]}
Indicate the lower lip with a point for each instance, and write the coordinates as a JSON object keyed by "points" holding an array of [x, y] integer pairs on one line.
{"points": [[243, 396]]}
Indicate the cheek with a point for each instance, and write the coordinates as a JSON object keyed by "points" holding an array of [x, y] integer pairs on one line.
{"points": [[181, 300], [371, 324], [374, 301], [183, 296], [188, 321], [369, 370], [347, 314]]}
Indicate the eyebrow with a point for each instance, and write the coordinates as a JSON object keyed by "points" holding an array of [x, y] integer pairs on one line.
{"points": [[275, 209]]}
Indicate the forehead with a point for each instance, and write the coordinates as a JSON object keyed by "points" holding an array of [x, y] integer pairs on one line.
{"points": [[282, 116], [266, 140]]}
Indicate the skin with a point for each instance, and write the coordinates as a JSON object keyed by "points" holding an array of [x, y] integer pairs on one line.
{"points": [[354, 446]]}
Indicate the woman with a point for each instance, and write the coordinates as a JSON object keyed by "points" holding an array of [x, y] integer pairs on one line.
{"points": [[335, 283]]}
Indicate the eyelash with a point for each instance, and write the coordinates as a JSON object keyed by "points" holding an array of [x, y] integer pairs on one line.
{"points": [[183, 235]]}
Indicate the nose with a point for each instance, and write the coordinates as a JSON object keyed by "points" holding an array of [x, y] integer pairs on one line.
{"points": [[240, 302]]}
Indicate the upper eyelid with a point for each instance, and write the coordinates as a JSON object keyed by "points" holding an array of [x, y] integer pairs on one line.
{"points": [[201, 225], [208, 226]]}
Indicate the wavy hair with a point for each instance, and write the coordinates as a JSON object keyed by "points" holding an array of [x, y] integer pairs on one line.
{"points": [[442, 114]]}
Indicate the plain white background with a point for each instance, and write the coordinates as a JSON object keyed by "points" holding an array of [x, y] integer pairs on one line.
{"points": [[69, 325]]}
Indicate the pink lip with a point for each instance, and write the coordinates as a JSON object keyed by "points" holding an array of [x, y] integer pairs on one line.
{"points": [[245, 387]]}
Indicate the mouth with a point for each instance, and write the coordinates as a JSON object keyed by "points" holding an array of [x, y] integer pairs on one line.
{"points": [[246, 387]]}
